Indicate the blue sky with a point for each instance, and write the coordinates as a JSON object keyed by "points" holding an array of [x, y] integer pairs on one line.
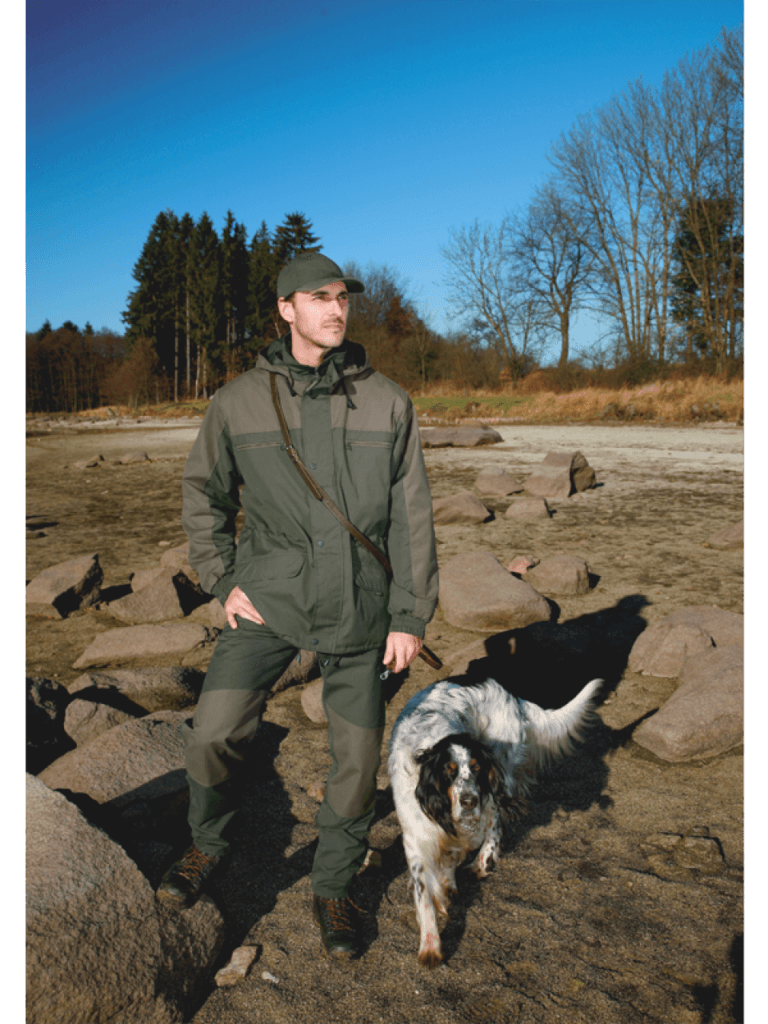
{"points": [[387, 124]]}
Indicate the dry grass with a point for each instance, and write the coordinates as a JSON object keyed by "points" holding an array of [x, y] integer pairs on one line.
{"points": [[676, 401]]}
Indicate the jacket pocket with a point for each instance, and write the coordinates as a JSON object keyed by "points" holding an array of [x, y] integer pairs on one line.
{"points": [[281, 565]]}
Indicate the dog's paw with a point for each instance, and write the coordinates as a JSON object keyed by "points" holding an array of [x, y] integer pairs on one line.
{"points": [[430, 958]]}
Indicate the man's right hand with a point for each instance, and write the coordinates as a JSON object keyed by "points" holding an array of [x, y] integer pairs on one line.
{"points": [[238, 604]]}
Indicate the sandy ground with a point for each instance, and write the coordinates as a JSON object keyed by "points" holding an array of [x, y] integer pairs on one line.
{"points": [[575, 924]]}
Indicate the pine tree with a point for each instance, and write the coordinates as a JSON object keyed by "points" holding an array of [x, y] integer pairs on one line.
{"points": [[150, 312], [262, 282], [207, 312], [293, 236], [234, 292]]}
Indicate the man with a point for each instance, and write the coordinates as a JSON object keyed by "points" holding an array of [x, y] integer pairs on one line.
{"points": [[296, 579]]}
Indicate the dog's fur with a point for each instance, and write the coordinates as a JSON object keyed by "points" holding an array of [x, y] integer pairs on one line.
{"points": [[462, 758]]}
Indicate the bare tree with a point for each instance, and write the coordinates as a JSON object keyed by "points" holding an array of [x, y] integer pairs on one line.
{"points": [[488, 292], [553, 260]]}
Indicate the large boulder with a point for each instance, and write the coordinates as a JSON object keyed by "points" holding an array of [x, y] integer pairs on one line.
{"points": [[477, 592], [61, 589], [158, 595], [705, 715], [178, 558], [729, 538], [143, 643], [46, 712], [99, 947], [141, 689], [528, 508], [136, 770], [560, 475], [459, 508], [663, 648], [85, 720], [498, 483], [458, 437], [725, 628], [561, 574]]}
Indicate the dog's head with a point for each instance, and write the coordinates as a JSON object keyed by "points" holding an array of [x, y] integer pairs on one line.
{"points": [[456, 778]]}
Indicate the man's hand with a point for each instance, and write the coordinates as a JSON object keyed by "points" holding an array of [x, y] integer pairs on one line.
{"points": [[238, 604], [400, 651]]}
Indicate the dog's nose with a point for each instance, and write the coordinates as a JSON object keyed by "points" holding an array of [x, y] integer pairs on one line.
{"points": [[469, 801]]}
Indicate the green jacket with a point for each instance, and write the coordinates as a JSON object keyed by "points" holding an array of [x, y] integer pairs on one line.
{"points": [[357, 433]]}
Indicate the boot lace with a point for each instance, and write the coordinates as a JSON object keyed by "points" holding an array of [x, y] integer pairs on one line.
{"points": [[337, 913], [195, 863]]}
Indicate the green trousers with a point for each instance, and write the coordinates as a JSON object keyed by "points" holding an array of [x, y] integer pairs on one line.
{"points": [[245, 665]]}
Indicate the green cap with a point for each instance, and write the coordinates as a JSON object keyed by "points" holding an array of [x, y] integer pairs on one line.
{"points": [[311, 270]]}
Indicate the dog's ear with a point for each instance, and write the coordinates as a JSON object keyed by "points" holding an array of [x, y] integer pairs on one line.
{"points": [[509, 797], [432, 791]]}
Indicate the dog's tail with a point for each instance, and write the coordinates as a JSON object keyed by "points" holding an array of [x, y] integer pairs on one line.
{"points": [[554, 732]]}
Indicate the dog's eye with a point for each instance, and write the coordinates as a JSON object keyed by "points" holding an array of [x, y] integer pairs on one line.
{"points": [[451, 768], [474, 765]]}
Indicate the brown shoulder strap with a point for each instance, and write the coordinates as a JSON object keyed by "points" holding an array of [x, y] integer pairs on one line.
{"points": [[319, 493]]}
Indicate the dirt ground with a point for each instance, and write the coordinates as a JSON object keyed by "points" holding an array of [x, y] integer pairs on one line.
{"points": [[576, 924]]}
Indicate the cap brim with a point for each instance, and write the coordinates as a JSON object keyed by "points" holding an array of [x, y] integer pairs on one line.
{"points": [[352, 284]]}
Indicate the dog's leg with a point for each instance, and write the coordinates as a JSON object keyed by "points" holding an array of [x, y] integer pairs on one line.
{"points": [[491, 848], [430, 951]]}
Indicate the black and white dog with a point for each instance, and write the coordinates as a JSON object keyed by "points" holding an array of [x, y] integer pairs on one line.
{"points": [[461, 759]]}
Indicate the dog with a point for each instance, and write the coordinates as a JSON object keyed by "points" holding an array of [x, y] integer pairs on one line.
{"points": [[461, 761]]}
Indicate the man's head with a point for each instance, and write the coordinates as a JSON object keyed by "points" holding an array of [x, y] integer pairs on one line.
{"points": [[313, 297]]}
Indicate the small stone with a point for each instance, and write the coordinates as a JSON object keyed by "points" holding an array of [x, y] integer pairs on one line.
{"points": [[700, 852], [133, 457], [528, 508], [561, 574], [459, 508], [238, 966], [730, 538]]}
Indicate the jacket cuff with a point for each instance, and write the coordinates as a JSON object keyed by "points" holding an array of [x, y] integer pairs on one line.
{"points": [[222, 588], [404, 623]]}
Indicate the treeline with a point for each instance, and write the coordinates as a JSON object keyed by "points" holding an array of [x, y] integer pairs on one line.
{"points": [[641, 221]]}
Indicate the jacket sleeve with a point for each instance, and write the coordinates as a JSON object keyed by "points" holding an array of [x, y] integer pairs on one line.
{"points": [[211, 501], [411, 538]]}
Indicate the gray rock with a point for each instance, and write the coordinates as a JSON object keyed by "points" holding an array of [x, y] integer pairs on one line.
{"points": [[85, 720], [459, 508], [477, 592], [729, 538], [705, 715], [88, 463], [132, 457], [560, 475], [725, 628], [299, 672], [209, 614], [136, 769], [158, 595], [528, 508], [497, 483], [99, 947], [135, 643], [662, 648], [561, 574], [141, 689], [178, 558], [312, 702], [60, 589], [458, 437], [46, 711]]}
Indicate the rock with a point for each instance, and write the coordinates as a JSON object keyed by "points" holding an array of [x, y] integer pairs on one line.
{"points": [[528, 508], [238, 966], [136, 770], [705, 715], [725, 628], [141, 689], [729, 538], [477, 592], [132, 457], [178, 558], [88, 463], [158, 595], [458, 437], [497, 483], [210, 614], [99, 947], [132, 643], [60, 589], [300, 671], [560, 475], [47, 703], [459, 508], [85, 720], [312, 702], [497, 647], [674, 856], [662, 648], [561, 574]]}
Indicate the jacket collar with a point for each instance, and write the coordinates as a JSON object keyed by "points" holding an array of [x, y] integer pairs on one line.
{"points": [[348, 360]]}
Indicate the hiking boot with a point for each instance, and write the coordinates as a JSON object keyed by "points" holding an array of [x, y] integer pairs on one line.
{"points": [[338, 925], [184, 881]]}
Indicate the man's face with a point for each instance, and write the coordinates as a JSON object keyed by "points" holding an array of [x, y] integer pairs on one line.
{"points": [[318, 319]]}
